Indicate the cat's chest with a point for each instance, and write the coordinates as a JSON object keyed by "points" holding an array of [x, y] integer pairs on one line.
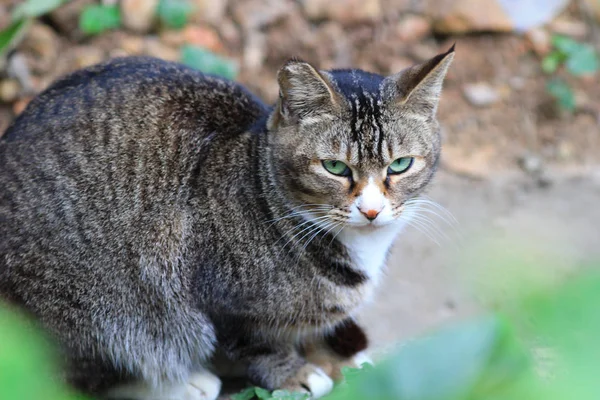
{"points": [[368, 252], [368, 249]]}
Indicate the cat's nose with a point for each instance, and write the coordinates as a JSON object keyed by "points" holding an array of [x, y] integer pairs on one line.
{"points": [[370, 214]]}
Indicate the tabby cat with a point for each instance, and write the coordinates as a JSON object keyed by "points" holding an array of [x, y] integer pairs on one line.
{"points": [[154, 219]]}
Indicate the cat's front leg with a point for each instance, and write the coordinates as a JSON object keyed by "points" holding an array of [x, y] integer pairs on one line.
{"points": [[286, 369], [345, 346]]}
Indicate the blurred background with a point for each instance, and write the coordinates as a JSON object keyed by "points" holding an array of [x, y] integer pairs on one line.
{"points": [[520, 112]]}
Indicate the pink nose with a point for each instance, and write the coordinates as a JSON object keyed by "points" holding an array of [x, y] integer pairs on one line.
{"points": [[370, 214]]}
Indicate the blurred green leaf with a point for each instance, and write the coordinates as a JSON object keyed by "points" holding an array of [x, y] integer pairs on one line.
{"points": [[11, 35], [552, 61], [469, 359], [262, 394], [583, 61], [563, 94], [35, 8], [174, 13], [246, 394], [208, 62], [99, 18], [285, 395], [565, 44], [27, 364]]}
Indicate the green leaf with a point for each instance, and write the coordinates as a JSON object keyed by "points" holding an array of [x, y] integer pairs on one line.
{"points": [[246, 394], [563, 94], [565, 44], [584, 61], [262, 394], [12, 35], [285, 395], [97, 19], [35, 8], [174, 13], [552, 61], [208, 62], [451, 364], [27, 363]]}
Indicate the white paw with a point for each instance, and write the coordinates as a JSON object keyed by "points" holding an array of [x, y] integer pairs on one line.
{"points": [[203, 386], [362, 358], [319, 383]]}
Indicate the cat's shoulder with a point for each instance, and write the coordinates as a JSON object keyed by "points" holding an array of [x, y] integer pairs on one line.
{"points": [[141, 83]]}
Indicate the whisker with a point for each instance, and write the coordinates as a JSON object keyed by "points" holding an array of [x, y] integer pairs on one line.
{"points": [[312, 222], [419, 228], [431, 225], [297, 213]]}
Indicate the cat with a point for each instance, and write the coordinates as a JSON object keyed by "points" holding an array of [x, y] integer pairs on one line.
{"points": [[154, 218]]}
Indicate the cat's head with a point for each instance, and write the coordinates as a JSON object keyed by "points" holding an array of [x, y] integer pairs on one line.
{"points": [[352, 147]]}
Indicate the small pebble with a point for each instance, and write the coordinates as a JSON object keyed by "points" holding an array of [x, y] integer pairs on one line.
{"points": [[480, 94], [9, 90]]}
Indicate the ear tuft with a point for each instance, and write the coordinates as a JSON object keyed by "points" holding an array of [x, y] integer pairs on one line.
{"points": [[304, 91], [420, 85]]}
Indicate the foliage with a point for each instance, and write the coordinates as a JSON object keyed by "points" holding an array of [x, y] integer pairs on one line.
{"points": [[27, 366], [262, 394], [35, 8], [174, 13], [12, 35], [23, 13], [96, 19], [578, 59], [562, 92], [208, 62]]}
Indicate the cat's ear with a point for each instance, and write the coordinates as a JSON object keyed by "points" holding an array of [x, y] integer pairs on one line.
{"points": [[304, 92], [420, 86]]}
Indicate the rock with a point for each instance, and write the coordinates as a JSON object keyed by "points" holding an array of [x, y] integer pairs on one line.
{"points": [[156, 48], [20, 105], [413, 28], [569, 27], [531, 163], [138, 15], [173, 38], [230, 34], [539, 41], [66, 17], [209, 11], [203, 37], [593, 6], [253, 15], [41, 46], [400, 64], [133, 45], [462, 16], [346, 12], [85, 56], [254, 51], [5, 119], [480, 94], [9, 90], [527, 14], [517, 82], [18, 68], [4, 19]]}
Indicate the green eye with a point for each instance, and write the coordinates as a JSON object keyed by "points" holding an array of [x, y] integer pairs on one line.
{"points": [[400, 165], [337, 167]]}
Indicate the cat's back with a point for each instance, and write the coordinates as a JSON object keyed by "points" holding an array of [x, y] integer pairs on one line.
{"points": [[103, 157]]}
